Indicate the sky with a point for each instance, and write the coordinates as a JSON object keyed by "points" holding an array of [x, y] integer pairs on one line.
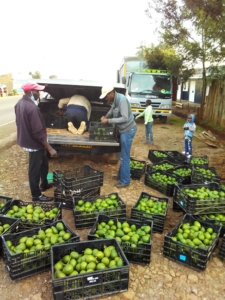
{"points": [[72, 39]]}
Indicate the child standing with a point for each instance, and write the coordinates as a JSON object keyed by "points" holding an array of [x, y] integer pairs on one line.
{"points": [[148, 119], [189, 128]]}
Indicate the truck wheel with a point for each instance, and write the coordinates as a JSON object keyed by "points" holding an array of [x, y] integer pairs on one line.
{"points": [[163, 119]]}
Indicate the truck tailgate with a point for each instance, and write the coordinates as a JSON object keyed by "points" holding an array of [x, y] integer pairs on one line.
{"points": [[62, 136]]}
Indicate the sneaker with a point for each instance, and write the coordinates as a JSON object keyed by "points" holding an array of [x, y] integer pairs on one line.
{"points": [[188, 156], [81, 128], [71, 128], [42, 198], [48, 186], [183, 152]]}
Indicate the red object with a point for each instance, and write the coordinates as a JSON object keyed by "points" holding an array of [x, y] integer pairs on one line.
{"points": [[29, 86]]}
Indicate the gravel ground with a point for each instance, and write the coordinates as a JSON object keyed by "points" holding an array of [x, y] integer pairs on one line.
{"points": [[162, 279]]}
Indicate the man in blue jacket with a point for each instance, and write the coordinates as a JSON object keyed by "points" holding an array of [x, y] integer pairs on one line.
{"points": [[121, 115], [32, 136]]}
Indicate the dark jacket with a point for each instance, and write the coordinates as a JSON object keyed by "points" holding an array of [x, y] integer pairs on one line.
{"points": [[121, 113], [31, 129]]}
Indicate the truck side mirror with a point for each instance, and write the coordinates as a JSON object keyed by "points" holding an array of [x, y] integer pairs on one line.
{"points": [[124, 80]]}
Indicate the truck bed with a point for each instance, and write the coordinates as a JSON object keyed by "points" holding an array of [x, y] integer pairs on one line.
{"points": [[63, 136]]}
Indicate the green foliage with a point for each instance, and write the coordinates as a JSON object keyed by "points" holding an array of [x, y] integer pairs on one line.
{"points": [[36, 75], [52, 77]]}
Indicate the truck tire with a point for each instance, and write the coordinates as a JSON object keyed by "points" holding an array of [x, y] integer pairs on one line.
{"points": [[163, 119]]}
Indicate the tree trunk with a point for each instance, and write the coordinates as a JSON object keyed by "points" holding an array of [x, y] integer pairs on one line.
{"points": [[214, 110]]}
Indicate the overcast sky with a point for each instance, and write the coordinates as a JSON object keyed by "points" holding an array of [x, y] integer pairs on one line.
{"points": [[73, 39]]}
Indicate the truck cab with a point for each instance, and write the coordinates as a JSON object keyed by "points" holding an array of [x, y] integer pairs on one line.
{"points": [[57, 128]]}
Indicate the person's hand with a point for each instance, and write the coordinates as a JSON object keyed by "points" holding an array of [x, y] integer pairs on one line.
{"points": [[104, 121], [52, 152], [102, 118]]}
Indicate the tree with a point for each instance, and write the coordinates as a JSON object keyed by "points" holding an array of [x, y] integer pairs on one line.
{"points": [[194, 29], [36, 75], [52, 76]]}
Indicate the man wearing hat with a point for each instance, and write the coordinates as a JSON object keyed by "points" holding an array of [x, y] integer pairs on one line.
{"points": [[32, 136], [121, 115]]}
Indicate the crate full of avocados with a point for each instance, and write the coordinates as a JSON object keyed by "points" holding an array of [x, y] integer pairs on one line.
{"points": [[162, 181], [4, 203], [200, 198], [34, 214], [102, 132], [5, 225], [134, 236], [191, 242], [86, 210], [100, 268], [28, 252], [205, 174], [149, 207], [137, 168], [156, 156], [77, 180]]}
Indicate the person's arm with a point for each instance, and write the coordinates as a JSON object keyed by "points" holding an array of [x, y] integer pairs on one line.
{"points": [[104, 119], [62, 102], [140, 115], [192, 127], [123, 109], [49, 148], [38, 131]]}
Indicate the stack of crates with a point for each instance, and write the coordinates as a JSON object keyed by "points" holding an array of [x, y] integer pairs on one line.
{"points": [[102, 132], [74, 182]]}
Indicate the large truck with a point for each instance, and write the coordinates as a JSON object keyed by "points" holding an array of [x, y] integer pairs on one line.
{"points": [[143, 83], [58, 136]]}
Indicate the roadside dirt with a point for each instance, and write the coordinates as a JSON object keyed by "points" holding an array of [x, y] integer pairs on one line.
{"points": [[162, 279]]}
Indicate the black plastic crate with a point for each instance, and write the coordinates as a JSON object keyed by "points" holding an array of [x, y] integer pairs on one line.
{"points": [[5, 220], [56, 121], [200, 161], [165, 165], [102, 132], [194, 205], [92, 284], [193, 257], [71, 182], [137, 171], [222, 248], [157, 218], [184, 171], [213, 219], [156, 156], [177, 207], [4, 203], [205, 174], [67, 201], [141, 253], [176, 157], [86, 219], [23, 264], [30, 223], [164, 187]]}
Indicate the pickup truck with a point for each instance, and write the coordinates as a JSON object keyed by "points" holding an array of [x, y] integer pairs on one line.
{"points": [[58, 135]]}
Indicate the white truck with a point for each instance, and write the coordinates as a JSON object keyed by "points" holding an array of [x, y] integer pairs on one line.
{"points": [[143, 83], [58, 135]]}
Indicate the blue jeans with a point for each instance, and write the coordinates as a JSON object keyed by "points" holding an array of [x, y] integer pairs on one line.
{"points": [[188, 145], [76, 114], [126, 139], [149, 133]]}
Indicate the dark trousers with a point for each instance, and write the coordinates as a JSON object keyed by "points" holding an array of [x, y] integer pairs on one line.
{"points": [[76, 114], [38, 171]]}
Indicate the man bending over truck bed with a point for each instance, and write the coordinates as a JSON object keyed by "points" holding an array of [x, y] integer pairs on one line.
{"points": [[78, 113]]}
